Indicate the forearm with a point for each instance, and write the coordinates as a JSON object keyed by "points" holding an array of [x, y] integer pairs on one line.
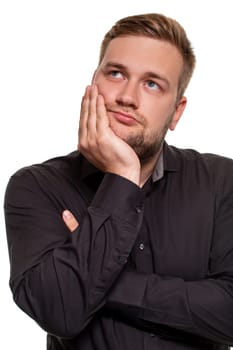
{"points": [[62, 282], [174, 308], [61, 293]]}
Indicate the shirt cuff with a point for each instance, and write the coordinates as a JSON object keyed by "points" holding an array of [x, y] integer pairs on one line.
{"points": [[119, 197], [128, 293]]}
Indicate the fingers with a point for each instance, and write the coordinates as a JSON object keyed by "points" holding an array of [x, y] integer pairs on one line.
{"points": [[102, 121], [88, 116], [99, 144], [82, 131], [70, 220], [91, 119]]}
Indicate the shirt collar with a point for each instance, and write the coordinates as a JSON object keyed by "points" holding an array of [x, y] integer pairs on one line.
{"points": [[172, 158], [169, 161], [159, 169]]}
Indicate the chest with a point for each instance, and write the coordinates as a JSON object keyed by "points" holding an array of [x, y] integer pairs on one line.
{"points": [[176, 234]]}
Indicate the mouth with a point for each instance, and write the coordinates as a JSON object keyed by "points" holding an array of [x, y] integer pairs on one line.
{"points": [[123, 117]]}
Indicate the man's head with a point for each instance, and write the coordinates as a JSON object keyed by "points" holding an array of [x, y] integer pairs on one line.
{"points": [[160, 27], [146, 62]]}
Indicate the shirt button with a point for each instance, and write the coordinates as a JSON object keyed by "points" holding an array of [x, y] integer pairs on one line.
{"points": [[123, 259], [141, 246], [138, 210]]}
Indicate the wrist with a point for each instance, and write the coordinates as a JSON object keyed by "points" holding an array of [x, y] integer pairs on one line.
{"points": [[132, 175]]}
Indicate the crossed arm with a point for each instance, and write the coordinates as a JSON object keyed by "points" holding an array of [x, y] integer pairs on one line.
{"points": [[172, 307]]}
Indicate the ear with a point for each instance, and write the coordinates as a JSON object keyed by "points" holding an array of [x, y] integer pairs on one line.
{"points": [[178, 112]]}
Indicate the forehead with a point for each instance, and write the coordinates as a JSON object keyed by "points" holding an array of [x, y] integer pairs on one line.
{"points": [[140, 54]]}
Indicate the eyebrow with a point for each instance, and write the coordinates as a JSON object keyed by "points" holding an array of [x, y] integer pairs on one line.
{"points": [[148, 74]]}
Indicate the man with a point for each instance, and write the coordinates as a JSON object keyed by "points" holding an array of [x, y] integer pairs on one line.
{"points": [[127, 242]]}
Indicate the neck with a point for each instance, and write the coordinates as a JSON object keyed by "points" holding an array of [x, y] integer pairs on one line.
{"points": [[147, 167]]}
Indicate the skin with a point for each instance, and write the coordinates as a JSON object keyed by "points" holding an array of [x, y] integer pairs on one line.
{"points": [[129, 107]]}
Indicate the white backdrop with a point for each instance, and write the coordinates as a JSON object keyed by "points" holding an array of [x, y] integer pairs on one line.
{"points": [[49, 50]]}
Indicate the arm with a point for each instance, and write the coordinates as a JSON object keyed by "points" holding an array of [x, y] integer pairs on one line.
{"points": [[175, 308], [62, 280]]}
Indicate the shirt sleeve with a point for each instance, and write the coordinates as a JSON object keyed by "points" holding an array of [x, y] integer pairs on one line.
{"points": [[61, 279], [179, 309]]}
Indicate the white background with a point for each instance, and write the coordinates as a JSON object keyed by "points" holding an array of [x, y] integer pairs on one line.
{"points": [[49, 50]]}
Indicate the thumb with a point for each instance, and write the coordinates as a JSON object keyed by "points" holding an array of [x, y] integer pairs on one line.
{"points": [[69, 220]]}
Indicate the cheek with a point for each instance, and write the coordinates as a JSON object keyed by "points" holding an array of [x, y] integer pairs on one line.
{"points": [[156, 114], [158, 108], [106, 90]]}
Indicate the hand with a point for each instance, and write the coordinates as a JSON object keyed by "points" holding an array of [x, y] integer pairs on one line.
{"points": [[99, 144], [70, 220]]}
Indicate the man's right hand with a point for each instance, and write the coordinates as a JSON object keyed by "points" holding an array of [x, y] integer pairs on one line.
{"points": [[99, 144]]}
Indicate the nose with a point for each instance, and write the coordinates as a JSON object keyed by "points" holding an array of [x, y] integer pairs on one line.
{"points": [[128, 95]]}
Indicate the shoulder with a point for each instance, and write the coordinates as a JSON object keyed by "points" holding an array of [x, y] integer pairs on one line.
{"points": [[51, 166], [216, 169], [195, 157], [43, 177]]}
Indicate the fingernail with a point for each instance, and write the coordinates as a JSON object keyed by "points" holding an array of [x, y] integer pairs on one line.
{"points": [[67, 214]]}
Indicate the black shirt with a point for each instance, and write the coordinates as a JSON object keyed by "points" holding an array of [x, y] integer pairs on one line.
{"points": [[148, 268]]}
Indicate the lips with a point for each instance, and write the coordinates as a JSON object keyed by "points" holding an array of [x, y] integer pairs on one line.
{"points": [[124, 118]]}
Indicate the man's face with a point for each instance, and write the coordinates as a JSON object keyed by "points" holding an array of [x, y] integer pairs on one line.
{"points": [[138, 78]]}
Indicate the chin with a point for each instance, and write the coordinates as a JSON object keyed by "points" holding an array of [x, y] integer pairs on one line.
{"points": [[124, 132], [120, 130]]}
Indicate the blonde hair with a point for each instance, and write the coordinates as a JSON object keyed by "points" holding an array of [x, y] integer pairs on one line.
{"points": [[160, 27]]}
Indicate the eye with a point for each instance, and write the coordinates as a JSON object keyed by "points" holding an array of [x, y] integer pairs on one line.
{"points": [[152, 85], [115, 74]]}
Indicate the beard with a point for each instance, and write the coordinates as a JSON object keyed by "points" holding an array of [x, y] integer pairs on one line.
{"points": [[147, 146]]}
